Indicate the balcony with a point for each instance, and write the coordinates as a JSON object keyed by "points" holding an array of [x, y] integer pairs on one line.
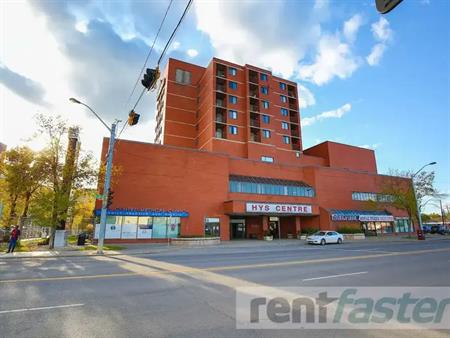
{"points": [[221, 131], [253, 77], [296, 144], [253, 91], [293, 117], [221, 85], [221, 70], [254, 104], [255, 135], [292, 92], [221, 115], [221, 100], [295, 132], [255, 120], [293, 104]]}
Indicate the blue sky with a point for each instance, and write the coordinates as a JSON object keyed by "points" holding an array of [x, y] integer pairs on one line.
{"points": [[381, 82]]}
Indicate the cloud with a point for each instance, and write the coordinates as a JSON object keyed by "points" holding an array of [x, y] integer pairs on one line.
{"points": [[370, 146], [334, 56], [305, 97], [375, 55], [331, 114], [192, 53], [381, 30], [103, 66], [382, 33], [351, 27], [28, 89], [334, 59], [272, 36]]}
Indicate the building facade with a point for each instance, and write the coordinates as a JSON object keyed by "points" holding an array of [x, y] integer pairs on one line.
{"points": [[228, 161]]}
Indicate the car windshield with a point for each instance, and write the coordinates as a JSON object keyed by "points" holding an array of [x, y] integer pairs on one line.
{"points": [[319, 233]]}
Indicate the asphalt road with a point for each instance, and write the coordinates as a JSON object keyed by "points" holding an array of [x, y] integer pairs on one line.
{"points": [[191, 292]]}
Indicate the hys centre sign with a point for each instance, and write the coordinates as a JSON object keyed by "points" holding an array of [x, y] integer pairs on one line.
{"points": [[275, 208]]}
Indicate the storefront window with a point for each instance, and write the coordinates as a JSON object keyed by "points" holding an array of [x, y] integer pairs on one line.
{"points": [[212, 227], [402, 225], [164, 227]]}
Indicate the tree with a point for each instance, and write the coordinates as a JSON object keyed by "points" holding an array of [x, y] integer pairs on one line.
{"points": [[402, 193], [67, 170], [23, 172]]}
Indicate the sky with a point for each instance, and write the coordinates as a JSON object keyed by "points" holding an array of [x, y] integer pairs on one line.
{"points": [[376, 81]]}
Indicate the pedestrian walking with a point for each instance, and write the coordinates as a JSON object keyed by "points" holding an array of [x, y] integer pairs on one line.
{"points": [[15, 233]]}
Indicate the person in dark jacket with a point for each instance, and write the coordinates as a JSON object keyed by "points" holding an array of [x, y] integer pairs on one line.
{"points": [[15, 233]]}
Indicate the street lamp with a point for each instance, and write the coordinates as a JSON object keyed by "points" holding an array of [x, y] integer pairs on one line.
{"points": [[109, 157], [419, 218]]}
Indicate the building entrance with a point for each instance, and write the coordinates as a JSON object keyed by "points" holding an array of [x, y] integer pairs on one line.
{"points": [[274, 226], [238, 229]]}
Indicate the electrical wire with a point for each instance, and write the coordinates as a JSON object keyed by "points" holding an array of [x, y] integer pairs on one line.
{"points": [[149, 53], [168, 44]]}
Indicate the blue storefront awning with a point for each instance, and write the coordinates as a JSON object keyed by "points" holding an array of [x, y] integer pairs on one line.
{"points": [[361, 215]]}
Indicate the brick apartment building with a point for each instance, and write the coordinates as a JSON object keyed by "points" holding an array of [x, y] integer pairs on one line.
{"points": [[228, 161]]}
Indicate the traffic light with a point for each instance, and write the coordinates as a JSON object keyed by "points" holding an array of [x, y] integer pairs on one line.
{"points": [[133, 118], [110, 198], [150, 77]]}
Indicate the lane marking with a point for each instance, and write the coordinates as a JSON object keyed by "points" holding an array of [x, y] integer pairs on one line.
{"points": [[334, 276], [187, 269], [41, 308]]}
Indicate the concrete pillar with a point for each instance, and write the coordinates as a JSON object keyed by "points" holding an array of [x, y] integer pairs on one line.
{"points": [[298, 227], [225, 228]]}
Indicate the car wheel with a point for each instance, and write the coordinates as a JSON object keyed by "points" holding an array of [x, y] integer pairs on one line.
{"points": [[339, 241], [323, 242]]}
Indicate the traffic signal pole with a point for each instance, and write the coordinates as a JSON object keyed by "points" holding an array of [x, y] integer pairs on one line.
{"points": [[106, 185]]}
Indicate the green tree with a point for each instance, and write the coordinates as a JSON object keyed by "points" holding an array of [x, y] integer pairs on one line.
{"points": [[62, 178], [402, 193]]}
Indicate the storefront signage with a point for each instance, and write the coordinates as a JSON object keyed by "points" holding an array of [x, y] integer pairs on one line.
{"points": [[272, 208], [144, 212], [376, 218], [337, 217]]}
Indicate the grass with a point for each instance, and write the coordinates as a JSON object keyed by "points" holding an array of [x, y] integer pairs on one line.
{"points": [[105, 247]]}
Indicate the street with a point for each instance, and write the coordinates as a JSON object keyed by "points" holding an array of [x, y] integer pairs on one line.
{"points": [[189, 292]]}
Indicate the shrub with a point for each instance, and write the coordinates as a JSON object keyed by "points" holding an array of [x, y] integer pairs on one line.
{"points": [[309, 231], [349, 230]]}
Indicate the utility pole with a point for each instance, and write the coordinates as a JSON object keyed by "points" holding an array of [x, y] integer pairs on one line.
{"points": [[106, 185]]}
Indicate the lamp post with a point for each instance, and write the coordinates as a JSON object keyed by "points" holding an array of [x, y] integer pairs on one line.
{"points": [[419, 218], [109, 157]]}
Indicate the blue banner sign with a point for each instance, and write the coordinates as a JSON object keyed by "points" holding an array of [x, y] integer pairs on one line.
{"points": [[144, 212]]}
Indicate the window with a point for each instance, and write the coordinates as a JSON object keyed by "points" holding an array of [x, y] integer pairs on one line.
{"points": [[269, 186], [233, 114], [264, 90], [232, 85], [371, 196], [284, 125], [182, 76], [282, 86], [232, 99], [233, 130], [286, 139], [267, 159], [232, 71], [266, 133], [263, 77], [266, 104], [212, 227], [284, 112], [266, 118], [283, 98]]}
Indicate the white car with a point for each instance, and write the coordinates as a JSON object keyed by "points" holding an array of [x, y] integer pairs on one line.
{"points": [[325, 237]]}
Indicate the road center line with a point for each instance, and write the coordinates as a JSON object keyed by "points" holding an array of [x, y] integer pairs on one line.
{"points": [[41, 308], [334, 276]]}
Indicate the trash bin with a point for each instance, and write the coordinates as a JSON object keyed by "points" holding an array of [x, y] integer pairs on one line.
{"points": [[420, 235], [81, 240]]}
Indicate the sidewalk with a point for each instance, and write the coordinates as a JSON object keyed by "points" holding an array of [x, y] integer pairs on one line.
{"points": [[137, 249]]}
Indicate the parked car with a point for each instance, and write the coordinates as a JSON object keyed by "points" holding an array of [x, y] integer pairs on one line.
{"points": [[325, 237], [437, 229]]}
